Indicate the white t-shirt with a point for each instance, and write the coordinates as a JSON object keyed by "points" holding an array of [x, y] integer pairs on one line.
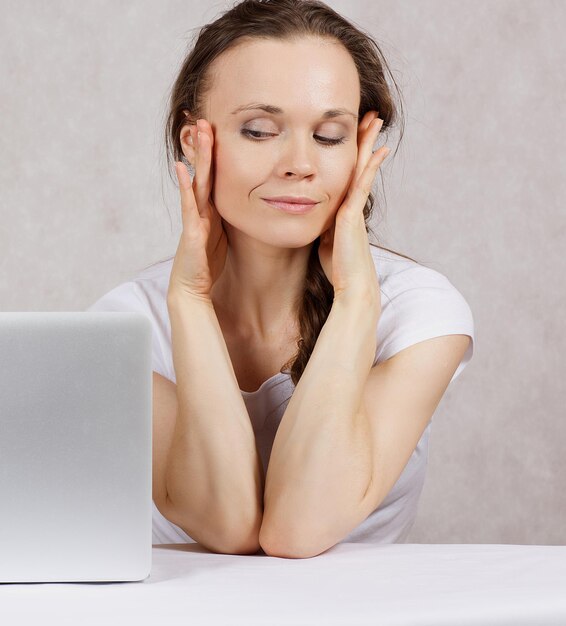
{"points": [[417, 303]]}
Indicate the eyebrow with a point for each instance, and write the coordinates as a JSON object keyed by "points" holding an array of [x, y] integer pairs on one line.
{"points": [[269, 108]]}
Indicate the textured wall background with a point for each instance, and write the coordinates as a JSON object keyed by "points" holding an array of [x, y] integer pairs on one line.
{"points": [[476, 191]]}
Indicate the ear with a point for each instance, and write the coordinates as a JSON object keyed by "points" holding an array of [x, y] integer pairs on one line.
{"points": [[185, 138]]}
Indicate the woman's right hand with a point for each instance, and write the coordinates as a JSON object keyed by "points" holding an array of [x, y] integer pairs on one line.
{"points": [[201, 253]]}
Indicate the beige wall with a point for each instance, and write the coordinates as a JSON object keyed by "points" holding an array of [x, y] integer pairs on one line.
{"points": [[477, 191]]}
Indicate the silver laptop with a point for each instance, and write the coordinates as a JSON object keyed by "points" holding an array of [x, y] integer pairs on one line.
{"points": [[75, 447]]}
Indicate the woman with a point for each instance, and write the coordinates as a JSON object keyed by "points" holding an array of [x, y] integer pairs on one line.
{"points": [[291, 406]]}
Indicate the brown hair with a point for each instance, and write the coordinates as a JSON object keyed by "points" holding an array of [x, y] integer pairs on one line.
{"points": [[284, 20]]}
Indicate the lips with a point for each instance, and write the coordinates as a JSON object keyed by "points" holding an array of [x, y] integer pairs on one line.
{"points": [[292, 199], [292, 204]]}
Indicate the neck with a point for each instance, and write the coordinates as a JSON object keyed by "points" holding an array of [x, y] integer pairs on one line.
{"points": [[257, 292]]}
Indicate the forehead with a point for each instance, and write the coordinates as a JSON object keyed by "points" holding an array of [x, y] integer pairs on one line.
{"points": [[308, 75]]}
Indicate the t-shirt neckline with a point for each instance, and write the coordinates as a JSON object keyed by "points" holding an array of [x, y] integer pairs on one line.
{"points": [[265, 384]]}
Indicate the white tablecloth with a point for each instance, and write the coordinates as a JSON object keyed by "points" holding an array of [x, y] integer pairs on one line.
{"points": [[350, 584]]}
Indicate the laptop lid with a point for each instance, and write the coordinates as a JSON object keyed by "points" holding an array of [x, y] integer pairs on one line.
{"points": [[75, 446]]}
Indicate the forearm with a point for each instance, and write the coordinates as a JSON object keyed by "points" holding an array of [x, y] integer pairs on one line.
{"points": [[321, 460], [214, 475]]}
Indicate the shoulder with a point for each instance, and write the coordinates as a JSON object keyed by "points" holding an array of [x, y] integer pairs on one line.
{"points": [[398, 274], [417, 303], [146, 293]]}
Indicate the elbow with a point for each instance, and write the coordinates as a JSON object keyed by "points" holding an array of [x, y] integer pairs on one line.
{"points": [[221, 537], [289, 545], [231, 540], [231, 546], [248, 543], [289, 551]]}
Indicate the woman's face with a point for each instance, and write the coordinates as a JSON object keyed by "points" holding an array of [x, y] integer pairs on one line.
{"points": [[297, 151]]}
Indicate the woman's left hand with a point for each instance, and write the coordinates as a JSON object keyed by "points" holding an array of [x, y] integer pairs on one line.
{"points": [[344, 249]]}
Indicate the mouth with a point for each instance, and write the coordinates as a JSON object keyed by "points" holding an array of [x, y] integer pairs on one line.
{"points": [[298, 206]]}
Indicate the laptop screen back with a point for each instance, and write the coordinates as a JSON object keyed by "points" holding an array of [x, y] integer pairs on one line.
{"points": [[75, 446]]}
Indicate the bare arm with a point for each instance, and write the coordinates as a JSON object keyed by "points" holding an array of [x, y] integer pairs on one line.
{"points": [[321, 460], [214, 478]]}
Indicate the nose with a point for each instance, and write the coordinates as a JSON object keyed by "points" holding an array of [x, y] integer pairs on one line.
{"points": [[297, 158]]}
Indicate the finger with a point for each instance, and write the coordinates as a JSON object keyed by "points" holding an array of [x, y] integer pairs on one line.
{"points": [[363, 126], [366, 144], [189, 209], [362, 131], [366, 120], [203, 164], [362, 187]]}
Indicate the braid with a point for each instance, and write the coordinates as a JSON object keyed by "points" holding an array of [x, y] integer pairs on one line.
{"points": [[312, 312]]}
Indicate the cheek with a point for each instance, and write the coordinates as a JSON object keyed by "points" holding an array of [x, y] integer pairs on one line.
{"points": [[227, 174], [237, 167], [338, 171], [237, 171]]}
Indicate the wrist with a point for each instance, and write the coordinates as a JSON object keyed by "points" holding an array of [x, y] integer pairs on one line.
{"points": [[353, 328], [360, 307], [180, 298]]}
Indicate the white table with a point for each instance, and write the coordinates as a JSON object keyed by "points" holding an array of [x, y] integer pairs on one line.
{"points": [[350, 584]]}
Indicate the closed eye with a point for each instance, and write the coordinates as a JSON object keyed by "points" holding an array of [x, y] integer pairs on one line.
{"points": [[255, 134]]}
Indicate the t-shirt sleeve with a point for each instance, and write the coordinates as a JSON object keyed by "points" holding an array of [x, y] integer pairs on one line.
{"points": [[430, 306], [129, 296]]}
